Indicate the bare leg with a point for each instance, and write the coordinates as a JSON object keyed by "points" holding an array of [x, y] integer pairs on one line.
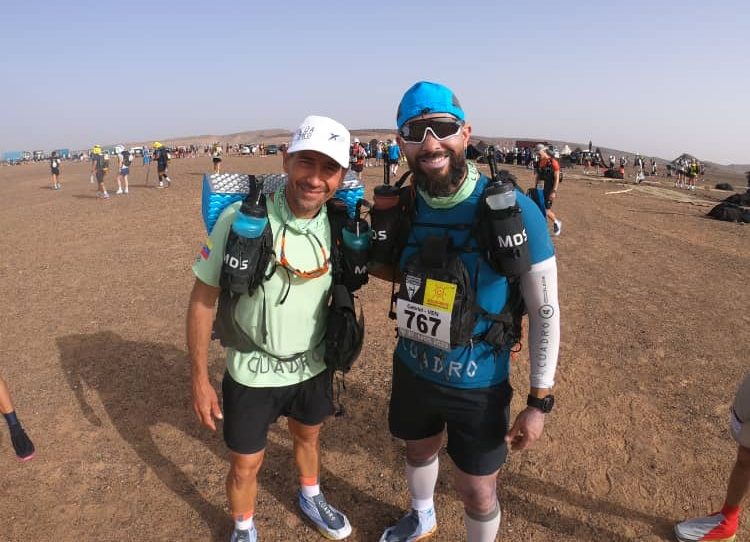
{"points": [[739, 480], [242, 482], [306, 444], [6, 405]]}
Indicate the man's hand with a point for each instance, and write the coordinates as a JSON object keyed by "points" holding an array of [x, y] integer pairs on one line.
{"points": [[526, 430], [206, 403]]}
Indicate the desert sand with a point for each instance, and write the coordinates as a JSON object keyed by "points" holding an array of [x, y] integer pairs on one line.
{"points": [[655, 334]]}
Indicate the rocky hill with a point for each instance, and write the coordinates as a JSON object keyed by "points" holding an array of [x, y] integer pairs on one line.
{"points": [[277, 136]]}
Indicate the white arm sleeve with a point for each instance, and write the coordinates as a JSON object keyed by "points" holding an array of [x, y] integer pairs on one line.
{"points": [[539, 290]]}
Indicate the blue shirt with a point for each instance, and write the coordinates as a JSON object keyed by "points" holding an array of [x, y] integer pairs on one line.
{"points": [[394, 152], [478, 365]]}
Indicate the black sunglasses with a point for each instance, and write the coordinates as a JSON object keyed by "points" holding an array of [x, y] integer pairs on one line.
{"points": [[441, 128]]}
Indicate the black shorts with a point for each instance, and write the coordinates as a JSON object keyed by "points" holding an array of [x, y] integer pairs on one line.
{"points": [[217, 160], [249, 412], [477, 419], [55, 171], [99, 176]]}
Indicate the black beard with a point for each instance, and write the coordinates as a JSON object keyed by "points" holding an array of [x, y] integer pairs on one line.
{"points": [[441, 185]]}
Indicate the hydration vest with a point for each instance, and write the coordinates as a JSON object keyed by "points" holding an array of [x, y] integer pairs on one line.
{"points": [[249, 262], [436, 301], [547, 173]]}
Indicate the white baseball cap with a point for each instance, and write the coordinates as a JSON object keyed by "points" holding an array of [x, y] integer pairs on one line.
{"points": [[324, 135]]}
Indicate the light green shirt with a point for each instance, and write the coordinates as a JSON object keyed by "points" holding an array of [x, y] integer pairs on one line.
{"points": [[295, 327]]}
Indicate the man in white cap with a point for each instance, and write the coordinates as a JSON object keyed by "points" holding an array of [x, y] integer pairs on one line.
{"points": [[285, 374]]}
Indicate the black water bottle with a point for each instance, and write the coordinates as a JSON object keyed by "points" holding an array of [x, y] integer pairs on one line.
{"points": [[242, 254], [506, 240], [385, 218]]}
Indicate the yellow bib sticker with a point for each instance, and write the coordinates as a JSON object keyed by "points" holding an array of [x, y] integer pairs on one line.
{"points": [[439, 295]]}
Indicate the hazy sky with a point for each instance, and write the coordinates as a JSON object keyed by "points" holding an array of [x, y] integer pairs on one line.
{"points": [[656, 77]]}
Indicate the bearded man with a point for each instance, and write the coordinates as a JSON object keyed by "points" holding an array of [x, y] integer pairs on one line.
{"points": [[462, 391]]}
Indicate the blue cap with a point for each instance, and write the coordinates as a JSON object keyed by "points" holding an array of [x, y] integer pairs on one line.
{"points": [[424, 98]]}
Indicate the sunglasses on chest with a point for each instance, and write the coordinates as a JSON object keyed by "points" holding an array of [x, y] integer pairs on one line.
{"points": [[441, 128]]}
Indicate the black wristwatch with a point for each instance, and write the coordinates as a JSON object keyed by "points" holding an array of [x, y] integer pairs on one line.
{"points": [[544, 404]]}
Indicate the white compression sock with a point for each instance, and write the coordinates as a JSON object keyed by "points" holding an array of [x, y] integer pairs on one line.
{"points": [[421, 481], [243, 524], [483, 528], [310, 491]]}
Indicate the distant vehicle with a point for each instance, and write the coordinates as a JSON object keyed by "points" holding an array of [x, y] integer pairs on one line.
{"points": [[39, 156], [136, 151], [13, 157], [245, 150], [272, 149], [63, 153]]}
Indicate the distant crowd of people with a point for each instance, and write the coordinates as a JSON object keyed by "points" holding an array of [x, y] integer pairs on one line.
{"points": [[362, 155], [686, 172]]}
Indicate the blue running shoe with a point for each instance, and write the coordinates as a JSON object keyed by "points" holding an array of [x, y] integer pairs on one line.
{"points": [[412, 527], [330, 522]]}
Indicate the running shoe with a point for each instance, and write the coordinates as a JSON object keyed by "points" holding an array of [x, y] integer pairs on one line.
{"points": [[416, 525], [119, 191], [21, 443], [246, 535], [105, 195], [557, 227], [330, 522], [714, 528], [125, 191], [161, 184]]}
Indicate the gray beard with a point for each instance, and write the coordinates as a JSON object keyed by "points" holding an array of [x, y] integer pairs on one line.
{"points": [[442, 185]]}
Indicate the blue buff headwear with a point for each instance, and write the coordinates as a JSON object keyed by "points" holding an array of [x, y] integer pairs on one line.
{"points": [[424, 98]]}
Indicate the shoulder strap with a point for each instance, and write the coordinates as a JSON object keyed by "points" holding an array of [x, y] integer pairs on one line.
{"points": [[336, 213]]}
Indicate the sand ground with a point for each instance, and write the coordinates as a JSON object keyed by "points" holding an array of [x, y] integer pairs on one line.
{"points": [[655, 331]]}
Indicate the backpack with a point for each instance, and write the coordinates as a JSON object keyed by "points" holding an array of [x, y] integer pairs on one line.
{"points": [[126, 158], [730, 213], [247, 265], [435, 287], [103, 162], [548, 172], [392, 216]]}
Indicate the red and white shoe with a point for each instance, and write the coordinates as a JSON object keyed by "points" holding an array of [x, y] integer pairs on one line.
{"points": [[714, 528]]}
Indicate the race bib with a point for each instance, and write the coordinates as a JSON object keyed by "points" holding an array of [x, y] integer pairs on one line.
{"points": [[430, 321]]}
